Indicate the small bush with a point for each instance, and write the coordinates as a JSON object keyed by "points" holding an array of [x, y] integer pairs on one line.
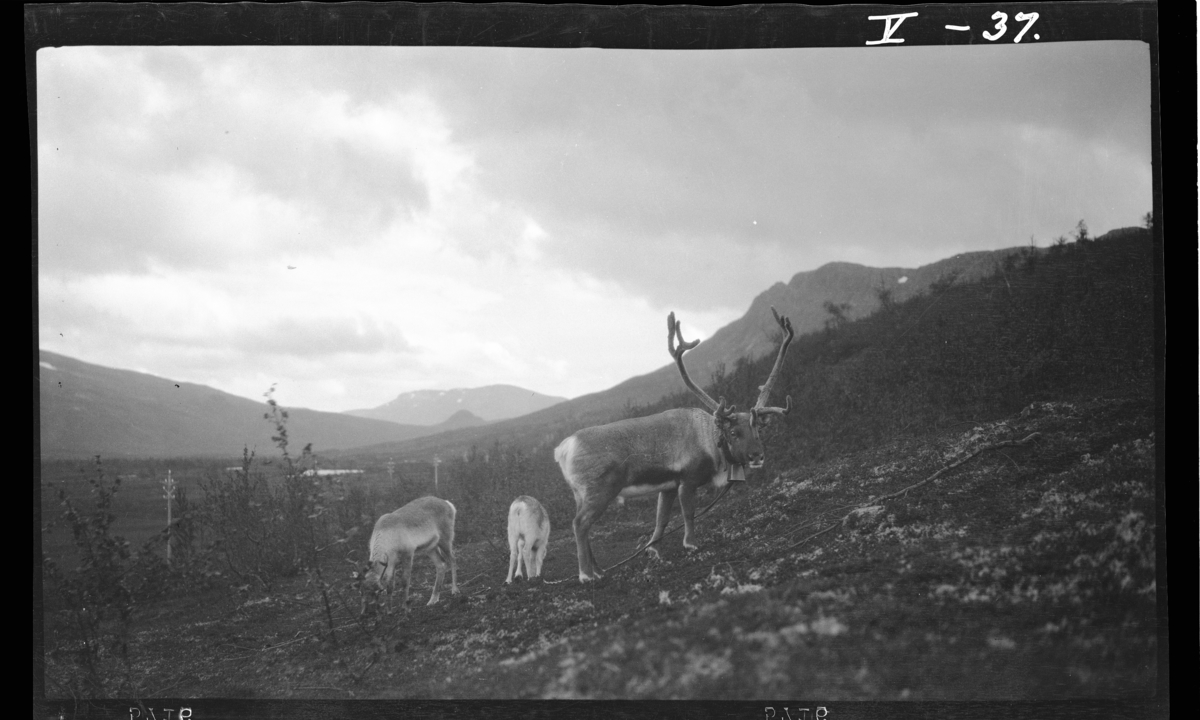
{"points": [[94, 599]]}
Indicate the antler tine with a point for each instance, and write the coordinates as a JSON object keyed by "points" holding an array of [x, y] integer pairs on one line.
{"points": [[787, 408], [677, 352], [765, 389], [672, 333], [725, 411]]}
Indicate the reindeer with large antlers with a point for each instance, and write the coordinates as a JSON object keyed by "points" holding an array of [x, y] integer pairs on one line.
{"points": [[673, 453]]}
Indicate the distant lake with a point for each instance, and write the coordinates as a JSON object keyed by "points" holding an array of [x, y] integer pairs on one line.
{"points": [[310, 473]]}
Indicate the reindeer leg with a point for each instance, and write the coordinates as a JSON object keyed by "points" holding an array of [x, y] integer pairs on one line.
{"points": [[522, 559], [408, 564], [539, 555], [587, 515], [514, 559], [436, 556], [666, 505], [687, 503], [592, 561], [447, 548], [388, 580], [582, 524], [363, 589], [527, 556]]}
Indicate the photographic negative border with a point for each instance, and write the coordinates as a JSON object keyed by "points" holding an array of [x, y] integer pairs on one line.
{"points": [[648, 27]]}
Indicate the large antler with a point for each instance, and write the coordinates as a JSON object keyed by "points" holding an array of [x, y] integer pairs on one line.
{"points": [[720, 408], [760, 406]]}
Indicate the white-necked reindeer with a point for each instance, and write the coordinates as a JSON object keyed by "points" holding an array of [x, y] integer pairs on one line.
{"points": [[675, 452], [528, 536], [425, 526]]}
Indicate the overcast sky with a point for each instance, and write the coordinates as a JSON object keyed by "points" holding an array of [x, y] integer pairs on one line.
{"points": [[354, 223]]}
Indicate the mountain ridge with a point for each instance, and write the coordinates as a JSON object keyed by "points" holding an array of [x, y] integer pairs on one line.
{"points": [[754, 334], [432, 407], [88, 409]]}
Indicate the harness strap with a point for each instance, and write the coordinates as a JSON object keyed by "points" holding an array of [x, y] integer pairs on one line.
{"points": [[726, 453]]}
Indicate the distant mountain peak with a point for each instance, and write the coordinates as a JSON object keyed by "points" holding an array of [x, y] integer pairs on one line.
{"points": [[461, 419], [437, 407]]}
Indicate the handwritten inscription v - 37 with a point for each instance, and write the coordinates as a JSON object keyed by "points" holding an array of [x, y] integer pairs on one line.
{"points": [[892, 24]]}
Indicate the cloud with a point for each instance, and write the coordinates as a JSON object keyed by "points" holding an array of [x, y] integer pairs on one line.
{"points": [[328, 332], [757, 156], [607, 152], [457, 217], [199, 130], [320, 336]]}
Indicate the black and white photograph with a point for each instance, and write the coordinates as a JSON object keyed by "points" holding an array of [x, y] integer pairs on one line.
{"points": [[796, 357]]}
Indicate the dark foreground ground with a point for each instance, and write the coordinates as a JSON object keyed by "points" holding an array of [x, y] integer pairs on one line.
{"points": [[1026, 573]]}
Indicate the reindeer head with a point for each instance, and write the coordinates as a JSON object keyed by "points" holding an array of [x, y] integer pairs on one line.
{"points": [[739, 431], [739, 435]]}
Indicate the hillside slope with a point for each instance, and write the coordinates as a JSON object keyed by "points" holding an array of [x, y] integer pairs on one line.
{"points": [[89, 410], [1028, 573], [1063, 325], [803, 298], [1123, 255]]}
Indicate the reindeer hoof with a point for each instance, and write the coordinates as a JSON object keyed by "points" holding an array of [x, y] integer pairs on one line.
{"points": [[690, 547], [653, 551]]}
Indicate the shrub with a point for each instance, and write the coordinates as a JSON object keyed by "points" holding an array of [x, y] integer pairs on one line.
{"points": [[93, 600]]}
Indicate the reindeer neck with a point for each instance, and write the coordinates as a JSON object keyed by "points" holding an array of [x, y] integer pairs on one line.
{"points": [[723, 446]]}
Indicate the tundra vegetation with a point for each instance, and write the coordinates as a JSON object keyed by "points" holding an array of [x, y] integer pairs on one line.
{"points": [[1026, 572]]}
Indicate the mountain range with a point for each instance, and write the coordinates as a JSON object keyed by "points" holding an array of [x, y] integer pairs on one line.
{"points": [[430, 407], [802, 299], [88, 409]]}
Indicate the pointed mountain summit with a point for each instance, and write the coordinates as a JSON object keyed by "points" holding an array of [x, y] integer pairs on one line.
{"points": [[461, 419]]}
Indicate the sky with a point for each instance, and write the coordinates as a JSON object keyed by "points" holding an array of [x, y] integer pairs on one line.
{"points": [[351, 223]]}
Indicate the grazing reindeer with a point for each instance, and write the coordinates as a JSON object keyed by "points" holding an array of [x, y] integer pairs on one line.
{"points": [[528, 535], [675, 452], [425, 526]]}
